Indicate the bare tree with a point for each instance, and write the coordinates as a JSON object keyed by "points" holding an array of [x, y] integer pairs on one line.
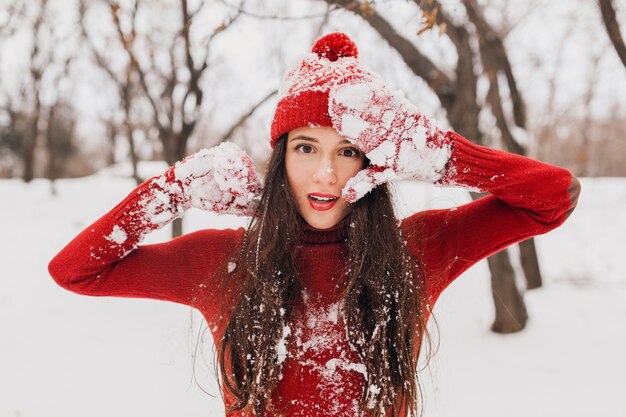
{"points": [[573, 135], [163, 72], [126, 87], [40, 59], [173, 90], [612, 27], [175, 115], [495, 64], [30, 133]]}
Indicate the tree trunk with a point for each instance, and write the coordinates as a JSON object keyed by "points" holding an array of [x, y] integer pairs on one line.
{"points": [[496, 62], [30, 143], [28, 155], [126, 98], [133, 153], [112, 137], [612, 28], [177, 227], [172, 153], [180, 150], [530, 264], [52, 171], [511, 314]]}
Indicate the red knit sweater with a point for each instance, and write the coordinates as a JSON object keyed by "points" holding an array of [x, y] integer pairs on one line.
{"points": [[321, 373]]}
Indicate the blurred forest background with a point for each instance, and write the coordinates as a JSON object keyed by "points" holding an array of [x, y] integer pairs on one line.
{"points": [[86, 84], [92, 84]]}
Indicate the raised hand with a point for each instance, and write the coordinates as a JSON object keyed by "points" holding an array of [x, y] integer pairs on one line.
{"points": [[221, 180], [399, 141]]}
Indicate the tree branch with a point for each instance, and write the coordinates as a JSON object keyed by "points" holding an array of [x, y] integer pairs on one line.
{"points": [[495, 58], [184, 30], [259, 16], [420, 64], [612, 27], [127, 43], [209, 42], [100, 60], [434, 15], [245, 117]]}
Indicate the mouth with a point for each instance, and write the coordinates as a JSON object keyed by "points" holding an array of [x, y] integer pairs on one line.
{"points": [[322, 202]]}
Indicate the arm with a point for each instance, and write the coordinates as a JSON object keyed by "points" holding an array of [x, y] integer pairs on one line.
{"points": [[527, 198], [106, 259]]}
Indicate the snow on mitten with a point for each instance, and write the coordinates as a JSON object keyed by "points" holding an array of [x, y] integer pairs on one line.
{"points": [[399, 141], [221, 180]]}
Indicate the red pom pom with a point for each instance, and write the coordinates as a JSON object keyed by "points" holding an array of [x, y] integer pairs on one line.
{"points": [[334, 46]]}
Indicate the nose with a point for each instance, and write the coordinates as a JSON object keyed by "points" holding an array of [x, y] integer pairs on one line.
{"points": [[325, 172]]}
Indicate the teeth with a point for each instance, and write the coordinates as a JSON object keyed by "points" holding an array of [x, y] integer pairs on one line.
{"points": [[322, 199]]}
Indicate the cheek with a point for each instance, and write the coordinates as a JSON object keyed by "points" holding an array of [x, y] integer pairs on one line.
{"points": [[295, 174]]}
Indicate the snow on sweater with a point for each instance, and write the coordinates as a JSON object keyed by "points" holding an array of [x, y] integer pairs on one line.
{"points": [[321, 374]]}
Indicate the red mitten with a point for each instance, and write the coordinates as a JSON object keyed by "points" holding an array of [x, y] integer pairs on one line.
{"points": [[221, 180], [399, 141]]}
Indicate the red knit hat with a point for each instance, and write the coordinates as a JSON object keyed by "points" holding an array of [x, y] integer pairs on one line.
{"points": [[303, 94]]}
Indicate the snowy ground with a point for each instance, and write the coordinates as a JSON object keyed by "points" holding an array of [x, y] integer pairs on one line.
{"points": [[65, 355]]}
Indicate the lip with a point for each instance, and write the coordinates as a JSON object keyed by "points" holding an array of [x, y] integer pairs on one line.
{"points": [[322, 206]]}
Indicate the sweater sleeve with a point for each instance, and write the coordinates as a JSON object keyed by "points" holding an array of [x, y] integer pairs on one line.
{"points": [[106, 259], [526, 198]]}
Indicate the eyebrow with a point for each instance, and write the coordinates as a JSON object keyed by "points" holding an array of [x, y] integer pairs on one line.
{"points": [[310, 139]]}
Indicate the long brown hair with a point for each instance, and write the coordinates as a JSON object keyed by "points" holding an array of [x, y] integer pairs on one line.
{"points": [[385, 301]]}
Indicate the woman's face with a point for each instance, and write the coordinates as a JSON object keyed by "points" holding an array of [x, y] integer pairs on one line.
{"points": [[319, 162]]}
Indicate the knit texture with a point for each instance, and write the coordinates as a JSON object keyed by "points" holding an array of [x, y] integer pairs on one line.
{"points": [[321, 374], [398, 140], [303, 94]]}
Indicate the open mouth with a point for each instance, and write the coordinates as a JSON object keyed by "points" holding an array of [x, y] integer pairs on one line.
{"points": [[322, 201]]}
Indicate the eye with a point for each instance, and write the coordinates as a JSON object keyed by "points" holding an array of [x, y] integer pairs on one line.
{"points": [[304, 148], [350, 152]]}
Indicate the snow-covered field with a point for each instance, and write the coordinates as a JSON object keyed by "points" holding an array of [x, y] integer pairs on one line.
{"points": [[65, 355]]}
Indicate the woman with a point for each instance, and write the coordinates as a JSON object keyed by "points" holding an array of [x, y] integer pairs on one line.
{"points": [[320, 306]]}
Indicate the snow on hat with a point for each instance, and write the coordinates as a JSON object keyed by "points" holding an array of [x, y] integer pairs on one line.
{"points": [[303, 94]]}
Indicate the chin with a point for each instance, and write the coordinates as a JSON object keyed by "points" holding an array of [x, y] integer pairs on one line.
{"points": [[323, 219], [317, 221], [321, 223]]}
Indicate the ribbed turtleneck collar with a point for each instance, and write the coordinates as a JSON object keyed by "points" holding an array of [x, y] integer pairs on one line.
{"points": [[310, 235]]}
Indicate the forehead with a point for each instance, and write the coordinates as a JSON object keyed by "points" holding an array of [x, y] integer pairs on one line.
{"points": [[322, 134]]}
